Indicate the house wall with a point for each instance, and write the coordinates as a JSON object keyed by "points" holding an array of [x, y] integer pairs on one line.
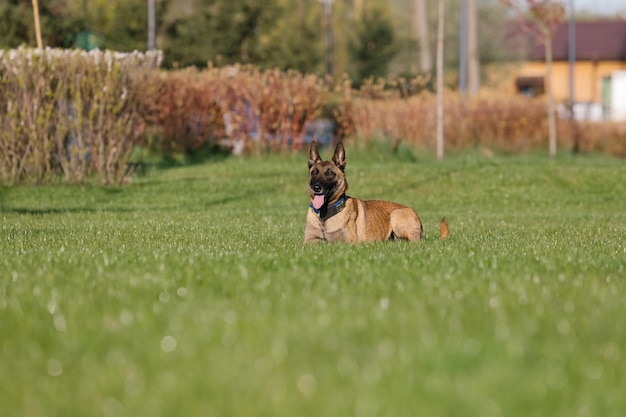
{"points": [[587, 77]]}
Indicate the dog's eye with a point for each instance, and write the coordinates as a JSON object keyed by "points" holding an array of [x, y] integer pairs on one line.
{"points": [[315, 171], [329, 173]]}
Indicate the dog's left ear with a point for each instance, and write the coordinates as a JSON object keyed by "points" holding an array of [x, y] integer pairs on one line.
{"points": [[339, 158]]}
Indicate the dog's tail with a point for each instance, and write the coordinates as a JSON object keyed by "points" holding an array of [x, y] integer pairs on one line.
{"points": [[444, 232]]}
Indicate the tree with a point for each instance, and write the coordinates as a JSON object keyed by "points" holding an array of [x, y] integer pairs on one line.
{"points": [[546, 14], [222, 31], [118, 25], [294, 40], [373, 46], [57, 20]]}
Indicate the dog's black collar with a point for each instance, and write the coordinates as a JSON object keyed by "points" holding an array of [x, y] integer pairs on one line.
{"points": [[326, 212]]}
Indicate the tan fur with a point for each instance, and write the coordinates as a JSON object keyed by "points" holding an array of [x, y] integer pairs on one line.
{"points": [[360, 220]]}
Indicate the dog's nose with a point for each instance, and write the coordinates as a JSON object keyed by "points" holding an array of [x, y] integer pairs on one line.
{"points": [[317, 188]]}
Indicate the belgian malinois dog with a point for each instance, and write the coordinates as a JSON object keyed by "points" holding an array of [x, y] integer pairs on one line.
{"points": [[335, 217]]}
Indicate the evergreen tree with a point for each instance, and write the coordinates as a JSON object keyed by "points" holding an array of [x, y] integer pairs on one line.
{"points": [[373, 46], [294, 40], [219, 31]]}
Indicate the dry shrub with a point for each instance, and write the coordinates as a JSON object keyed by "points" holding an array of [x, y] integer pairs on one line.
{"points": [[606, 137], [288, 101], [243, 106], [69, 112], [498, 122], [487, 122], [494, 122], [184, 106], [341, 108], [238, 106]]}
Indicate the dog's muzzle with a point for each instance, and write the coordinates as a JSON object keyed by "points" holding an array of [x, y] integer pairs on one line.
{"points": [[317, 188], [319, 196]]}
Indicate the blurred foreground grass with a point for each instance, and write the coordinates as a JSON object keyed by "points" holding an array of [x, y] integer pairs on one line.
{"points": [[189, 293]]}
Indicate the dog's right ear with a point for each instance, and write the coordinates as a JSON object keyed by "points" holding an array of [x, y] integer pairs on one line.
{"points": [[314, 155]]}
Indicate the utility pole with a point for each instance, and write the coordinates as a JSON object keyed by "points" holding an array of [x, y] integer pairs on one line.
{"points": [[37, 24], [571, 52], [421, 18], [547, 35], [469, 71], [572, 65], [440, 81], [151, 25], [473, 62], [328, 24], [463, 49]]}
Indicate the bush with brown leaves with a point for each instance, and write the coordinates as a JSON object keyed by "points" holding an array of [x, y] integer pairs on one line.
{"points": [[69, 112]]}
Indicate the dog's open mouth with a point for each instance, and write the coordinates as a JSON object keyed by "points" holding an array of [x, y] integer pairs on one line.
{"points": [[318, 201]]}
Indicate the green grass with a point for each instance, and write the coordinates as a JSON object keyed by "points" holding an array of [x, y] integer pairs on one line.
{"points": [[189, 293]]}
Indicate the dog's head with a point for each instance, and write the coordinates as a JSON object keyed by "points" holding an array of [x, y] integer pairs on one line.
{"points": [[327, 182]]}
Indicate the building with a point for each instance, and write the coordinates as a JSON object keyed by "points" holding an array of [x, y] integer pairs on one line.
{"points": [[600, 53]]}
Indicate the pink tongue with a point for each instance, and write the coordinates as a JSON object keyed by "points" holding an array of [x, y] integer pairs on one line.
{"points": [[318, 201]]}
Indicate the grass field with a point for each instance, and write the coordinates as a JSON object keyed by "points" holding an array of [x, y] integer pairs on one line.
{"points": [[189, 293]]}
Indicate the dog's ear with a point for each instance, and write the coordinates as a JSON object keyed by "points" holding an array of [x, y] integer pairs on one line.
{"points": [[314, 155], [339, 158]]}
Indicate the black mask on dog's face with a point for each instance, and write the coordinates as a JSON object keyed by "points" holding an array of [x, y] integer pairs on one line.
{"points": [[327, 182]]}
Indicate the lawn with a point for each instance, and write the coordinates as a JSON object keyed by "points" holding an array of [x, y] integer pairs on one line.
{"points": [[188, 292]]}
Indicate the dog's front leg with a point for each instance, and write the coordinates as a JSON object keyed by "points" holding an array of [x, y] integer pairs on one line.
{"points": [[313, 232], [314, 239]]}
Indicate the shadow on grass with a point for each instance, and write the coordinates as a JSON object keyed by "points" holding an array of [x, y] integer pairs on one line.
{"points": [[164, 161], [45, 211]]}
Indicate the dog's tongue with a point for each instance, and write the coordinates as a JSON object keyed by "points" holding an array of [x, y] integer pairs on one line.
{"points": [[318, 201]]}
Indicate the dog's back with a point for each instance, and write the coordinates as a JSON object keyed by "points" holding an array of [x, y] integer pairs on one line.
{"points": [[384, 220]]}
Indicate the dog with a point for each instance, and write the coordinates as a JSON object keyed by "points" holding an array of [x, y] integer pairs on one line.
{"points": [[335, 217]]}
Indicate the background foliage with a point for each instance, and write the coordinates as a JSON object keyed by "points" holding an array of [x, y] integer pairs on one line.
{"points": [[75, 114], [373, 46], [284, 34]]}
